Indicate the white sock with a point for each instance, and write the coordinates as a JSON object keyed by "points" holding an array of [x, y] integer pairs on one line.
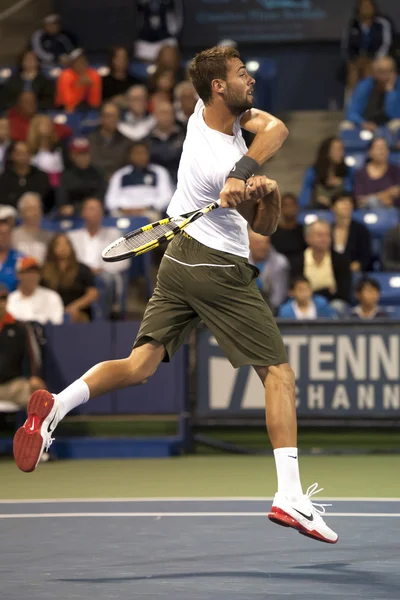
{"points": [[74, 395], [287, 469]]}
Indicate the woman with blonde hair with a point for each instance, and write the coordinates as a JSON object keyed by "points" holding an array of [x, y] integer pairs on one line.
{"points": [[72, 280], [43, 143]]}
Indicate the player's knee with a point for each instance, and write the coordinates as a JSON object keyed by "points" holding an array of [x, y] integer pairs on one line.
{"points": [[283, 375], [143, 362]]}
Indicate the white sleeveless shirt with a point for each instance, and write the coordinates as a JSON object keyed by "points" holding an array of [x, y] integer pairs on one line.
{"points": [[207, 158]]}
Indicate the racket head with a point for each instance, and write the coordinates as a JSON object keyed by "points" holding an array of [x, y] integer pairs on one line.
{"points": [[142, 240]]}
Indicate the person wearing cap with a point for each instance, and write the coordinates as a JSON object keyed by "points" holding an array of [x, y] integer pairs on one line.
{"points": [[8, 257], [109, 148], [80, 180], [78, 86], [50, 43], [19, 365], [30, 301]]}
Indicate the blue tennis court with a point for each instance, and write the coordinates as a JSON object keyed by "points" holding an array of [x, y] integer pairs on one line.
{"points": [[194, 549]]}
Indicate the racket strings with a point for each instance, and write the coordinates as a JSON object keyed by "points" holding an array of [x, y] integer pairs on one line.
{"points": [[145, 237]]}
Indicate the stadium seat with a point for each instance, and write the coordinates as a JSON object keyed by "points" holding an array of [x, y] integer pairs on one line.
{"points": [[308, 216], [355, 140], [356, 160], [5, 73], [51, 72], [378, 221]]}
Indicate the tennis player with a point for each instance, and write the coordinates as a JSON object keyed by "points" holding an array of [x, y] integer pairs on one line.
{"points": [[205, 275]]}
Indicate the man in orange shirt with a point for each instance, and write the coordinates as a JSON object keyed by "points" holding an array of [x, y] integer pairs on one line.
{"points": [[78, 84]]}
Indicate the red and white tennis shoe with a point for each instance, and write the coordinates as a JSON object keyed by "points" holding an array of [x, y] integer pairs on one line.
{"points": [[34, 437], [303, 515]]}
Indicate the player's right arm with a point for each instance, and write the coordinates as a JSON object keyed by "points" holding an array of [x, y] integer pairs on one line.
{"points": [[270, 133]]}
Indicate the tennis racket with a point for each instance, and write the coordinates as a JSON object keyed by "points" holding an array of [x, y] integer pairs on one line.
{"points": [[151, 236]]}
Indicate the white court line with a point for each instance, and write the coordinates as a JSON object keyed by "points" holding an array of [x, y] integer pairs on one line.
{"points": [[176, 514], [185, 499]]}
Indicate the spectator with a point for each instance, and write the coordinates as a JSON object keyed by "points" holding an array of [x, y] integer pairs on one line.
{"points": [[20, 176], [185, 98], [8, 257], [377, 185], [349, 237], [51, 44], [169, 59], [119, 80], [19, 369], [166, 140], [43, 144], [159, 24], [109, 148], [21, 115], [28, 78], [137, 122], [376, 100], [329, 176], [32, 302], [368, 292], [303, 304], [161, 86], [79, 86], [367, 37], [89, 244], [80, 180], [140, 188], [29, 238], [274, 269], [288, 239], [5, 140], [72, 280], [391, 250], [327, 271]]}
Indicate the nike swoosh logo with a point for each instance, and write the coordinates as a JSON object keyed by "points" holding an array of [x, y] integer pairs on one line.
{"points": [[308, 517], [295, 457], [33, 426]]}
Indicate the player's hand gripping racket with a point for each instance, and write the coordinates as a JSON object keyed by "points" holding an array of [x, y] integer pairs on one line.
{"points": [[151, 236]]}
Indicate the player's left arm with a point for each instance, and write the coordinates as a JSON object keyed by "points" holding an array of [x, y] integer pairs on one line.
{"points": [[270, 133]]}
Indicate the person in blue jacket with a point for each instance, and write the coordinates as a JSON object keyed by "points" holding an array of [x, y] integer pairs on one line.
{"points": [[376, 100], [303, 304], [368, 35]]}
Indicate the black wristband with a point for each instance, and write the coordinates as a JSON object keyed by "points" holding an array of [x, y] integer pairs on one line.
{"points": [[244, 168]]}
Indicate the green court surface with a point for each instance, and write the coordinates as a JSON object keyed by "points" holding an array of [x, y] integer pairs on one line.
{"points": [[199, 476]]}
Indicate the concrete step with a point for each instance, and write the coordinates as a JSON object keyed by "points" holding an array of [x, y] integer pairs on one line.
{"points": [[307, 130], [17, 28]]}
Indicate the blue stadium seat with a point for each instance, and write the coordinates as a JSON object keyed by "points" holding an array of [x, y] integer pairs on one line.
{"points": [[395, 158], [390, 287], [51, 72], [356, 160], [5, 73], [378, 221], [355, 140], [308, 216], [62, 225]]}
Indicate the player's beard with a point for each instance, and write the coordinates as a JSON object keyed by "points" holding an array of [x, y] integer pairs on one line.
{"points": [[237, 102]]}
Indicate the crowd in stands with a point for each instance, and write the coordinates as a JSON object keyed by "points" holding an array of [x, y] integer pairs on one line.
{"points": [[89, 142]]}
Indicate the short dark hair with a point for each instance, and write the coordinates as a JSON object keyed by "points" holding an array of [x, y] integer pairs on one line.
{"points": [[209, 65], [144, 142], [364, 281], [298, 279], [290, 195], [343, 196]]}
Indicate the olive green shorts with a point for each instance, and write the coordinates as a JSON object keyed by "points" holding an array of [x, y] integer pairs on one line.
{"points": [[196, 283]]}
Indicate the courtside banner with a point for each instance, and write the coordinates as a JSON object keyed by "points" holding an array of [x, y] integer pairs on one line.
{"points": [[341, 370]]}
